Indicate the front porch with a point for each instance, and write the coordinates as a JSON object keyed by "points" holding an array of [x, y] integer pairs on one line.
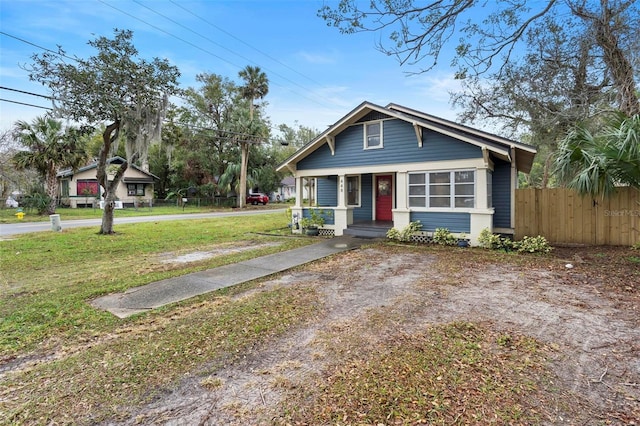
{"points": [[341, 221], [369, 229]]}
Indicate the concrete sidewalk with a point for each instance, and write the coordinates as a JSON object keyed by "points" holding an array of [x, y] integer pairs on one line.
{"points": [[160, 293]]}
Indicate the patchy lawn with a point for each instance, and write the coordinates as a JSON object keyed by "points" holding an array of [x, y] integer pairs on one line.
{"points": [[386, 334]]}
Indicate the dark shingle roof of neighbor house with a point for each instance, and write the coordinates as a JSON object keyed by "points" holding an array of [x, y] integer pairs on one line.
{"points": [[112, 160]]}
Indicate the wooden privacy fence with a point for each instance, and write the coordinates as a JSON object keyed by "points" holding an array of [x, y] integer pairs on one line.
{"points": [[563, 216]]}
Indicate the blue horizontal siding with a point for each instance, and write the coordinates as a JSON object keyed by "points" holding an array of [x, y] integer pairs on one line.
{"points": [[365, 211], [327, 191], [502, 194], [327, 214], [400, 146], [454, 222]]}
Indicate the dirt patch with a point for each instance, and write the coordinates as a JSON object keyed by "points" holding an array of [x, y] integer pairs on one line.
{"points": [[222, 250], [587, 316]]}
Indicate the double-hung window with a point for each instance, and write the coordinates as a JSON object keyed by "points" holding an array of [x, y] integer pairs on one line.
{"points": [[136, 189], [373, 135], [442, 189]]}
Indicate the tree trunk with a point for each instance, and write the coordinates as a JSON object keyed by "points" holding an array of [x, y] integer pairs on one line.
{"points": [[109, 135], [606, 25], [106, 227], [244, 163], [110, 198], [619, 66], [52, 190]]}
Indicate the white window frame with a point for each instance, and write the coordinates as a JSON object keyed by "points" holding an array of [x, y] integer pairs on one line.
{"points": [[366, 135], [452, 191], [359, 201], [135, 192]]}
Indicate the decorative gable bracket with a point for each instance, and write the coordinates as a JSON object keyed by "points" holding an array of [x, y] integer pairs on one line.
{"points": [[331, 141], [418, 131]]}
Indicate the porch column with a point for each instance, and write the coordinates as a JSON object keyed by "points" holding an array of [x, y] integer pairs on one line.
{"points": [[296, 209], [299, 192], [342, 193], [401, 214], [341, 217], [482, 215], [482, 188]]}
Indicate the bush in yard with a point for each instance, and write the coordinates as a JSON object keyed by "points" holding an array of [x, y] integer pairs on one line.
{"points": [[38, 201], [406, 234], [443, 237], [537, 244], [492, 241]]}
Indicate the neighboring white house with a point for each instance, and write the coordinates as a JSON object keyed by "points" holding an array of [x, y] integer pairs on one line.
{"points": [[81, 189], [287, 189]]}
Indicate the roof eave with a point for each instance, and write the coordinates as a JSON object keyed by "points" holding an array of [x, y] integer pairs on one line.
{"points": [[353, 116]]}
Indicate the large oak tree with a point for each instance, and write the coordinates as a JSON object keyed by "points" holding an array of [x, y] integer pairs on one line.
{"points": [[421, 33], [116, 88]]}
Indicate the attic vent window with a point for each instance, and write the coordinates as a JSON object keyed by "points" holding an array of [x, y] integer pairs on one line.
{"points": [[373, 135]]}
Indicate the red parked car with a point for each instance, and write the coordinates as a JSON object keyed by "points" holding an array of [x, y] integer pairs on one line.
{"points": [[257, 198]]}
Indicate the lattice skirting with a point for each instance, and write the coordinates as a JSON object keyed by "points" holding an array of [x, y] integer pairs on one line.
{"points": [[326, 232], [422, 237]]}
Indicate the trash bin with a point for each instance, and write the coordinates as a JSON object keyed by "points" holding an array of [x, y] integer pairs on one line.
{"points": [[55, 222]]}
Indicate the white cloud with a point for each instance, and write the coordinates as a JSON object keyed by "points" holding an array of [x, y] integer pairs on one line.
{"points": [[319, 58], [436, 86]]}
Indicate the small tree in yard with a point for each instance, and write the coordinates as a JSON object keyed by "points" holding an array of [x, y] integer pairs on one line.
{"points": [[50, 147], [112, 87]]}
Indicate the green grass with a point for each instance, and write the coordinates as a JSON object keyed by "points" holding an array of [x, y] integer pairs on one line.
{"points": [[9, 215], [106, 378], [48, 278]]}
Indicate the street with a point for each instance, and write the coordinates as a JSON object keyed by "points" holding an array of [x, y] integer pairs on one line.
{"points": [[8, 229]]}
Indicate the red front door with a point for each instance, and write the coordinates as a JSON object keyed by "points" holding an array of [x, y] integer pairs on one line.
{"points": [[384, 197]]}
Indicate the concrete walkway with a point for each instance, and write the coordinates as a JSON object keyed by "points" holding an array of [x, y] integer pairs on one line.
{"points": [[160, 293]]}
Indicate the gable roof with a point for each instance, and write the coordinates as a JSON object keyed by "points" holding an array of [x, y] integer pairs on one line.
{"points": [[504, 148], [112, 160]]}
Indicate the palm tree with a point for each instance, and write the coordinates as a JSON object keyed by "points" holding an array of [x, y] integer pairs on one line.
{"points": [[595, 163], [50, 147], [256, 87]]}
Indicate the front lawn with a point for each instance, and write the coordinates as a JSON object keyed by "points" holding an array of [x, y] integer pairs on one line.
{"points": [[8, 215], [387, 334], [47, 278]]}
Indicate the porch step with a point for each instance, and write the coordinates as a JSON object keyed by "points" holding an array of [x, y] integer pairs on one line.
{"points": [[369, 229]]}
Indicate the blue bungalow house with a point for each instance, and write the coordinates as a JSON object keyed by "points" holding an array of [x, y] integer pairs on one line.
{"points": [[393, 165]]}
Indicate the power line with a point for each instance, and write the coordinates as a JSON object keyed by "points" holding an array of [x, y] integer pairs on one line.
{"points": [[202, 49], [244, 42], [76, 59], [24, 103], [187, 125], [226, 48], [26, 93], [169, 34], [39, 47]]}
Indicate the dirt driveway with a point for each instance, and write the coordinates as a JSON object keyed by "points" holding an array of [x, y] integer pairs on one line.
{"points": [[587, 317]]}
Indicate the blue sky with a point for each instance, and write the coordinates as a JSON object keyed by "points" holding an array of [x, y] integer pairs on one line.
{"points": [[316, 74]]}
